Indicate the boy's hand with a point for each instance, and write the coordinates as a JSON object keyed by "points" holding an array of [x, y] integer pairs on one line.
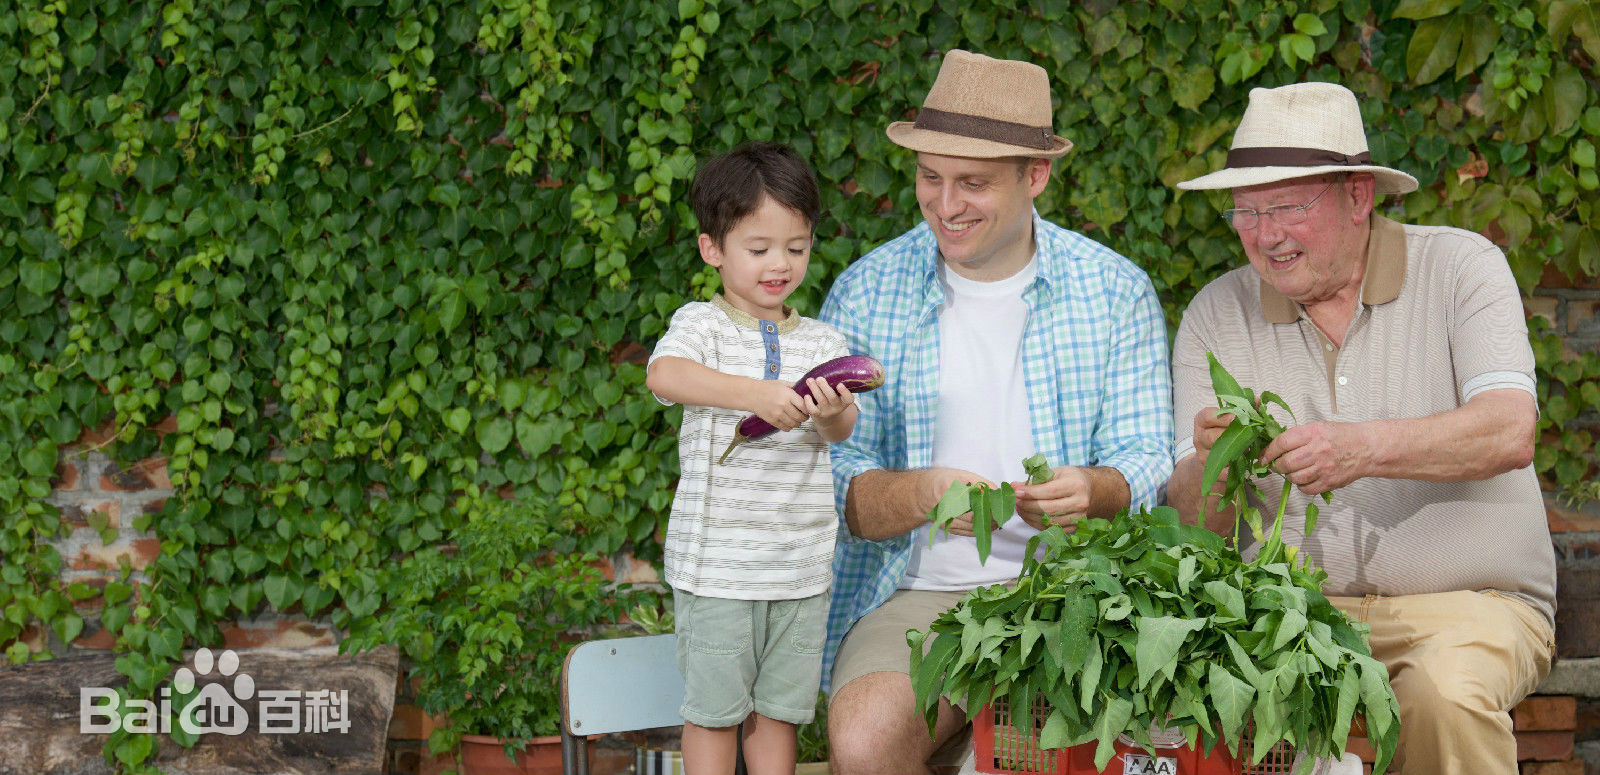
{"points": [[825, 402], [777, 403]]}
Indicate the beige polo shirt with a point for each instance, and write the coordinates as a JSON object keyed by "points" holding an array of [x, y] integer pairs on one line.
{"points": [[1440, 321]]}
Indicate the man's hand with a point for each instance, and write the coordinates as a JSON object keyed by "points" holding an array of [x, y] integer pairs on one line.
{"points": [[1209, 424], [1320, 456], [777, 403], [936, 481], [1061, 501]]}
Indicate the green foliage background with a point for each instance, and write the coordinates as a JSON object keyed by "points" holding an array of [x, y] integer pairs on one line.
{"points": [[382, 259]]}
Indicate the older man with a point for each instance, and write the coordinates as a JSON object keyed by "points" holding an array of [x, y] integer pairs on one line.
{"points": [[1404, 354], [1003, 335]]}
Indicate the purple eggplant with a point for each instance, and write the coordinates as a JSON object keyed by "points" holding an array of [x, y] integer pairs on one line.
{"points": [[858, 373]]}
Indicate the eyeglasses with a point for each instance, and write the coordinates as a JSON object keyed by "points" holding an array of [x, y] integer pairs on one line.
{"points": [[1245, 219]]}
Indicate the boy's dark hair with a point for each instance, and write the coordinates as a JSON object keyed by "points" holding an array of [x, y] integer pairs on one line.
{"points": [[729, 187]]}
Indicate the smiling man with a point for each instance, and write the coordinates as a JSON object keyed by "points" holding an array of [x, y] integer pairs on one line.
{"points": [[1405, 356], [1003, 335]]}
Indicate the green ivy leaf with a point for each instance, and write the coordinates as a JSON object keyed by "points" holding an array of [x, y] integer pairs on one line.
{"points": [[458, 419], [494, 434]]}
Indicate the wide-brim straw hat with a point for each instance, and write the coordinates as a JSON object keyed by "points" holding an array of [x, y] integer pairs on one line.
{"points": [[984, 108], [1296, 131]]}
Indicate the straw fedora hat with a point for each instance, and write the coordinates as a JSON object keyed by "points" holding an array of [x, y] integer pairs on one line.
{"points": [[984, 108], [1296, 131]]}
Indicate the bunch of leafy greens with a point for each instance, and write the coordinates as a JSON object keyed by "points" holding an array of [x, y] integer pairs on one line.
{"points": [[1140, 622], [1238, 452], [990, 506]]}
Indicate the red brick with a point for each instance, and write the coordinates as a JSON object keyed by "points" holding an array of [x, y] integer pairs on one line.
{"points": [[1568, 767], [153, 506], [1544, 746], [1577, 612], [95, 637], [610, 761], [281, 633], [409, 722], [75, 514], [94, 603], [93, 437], [1544, 713], [1541, 306], [437, 765], [1555, 278], [33, 636], [1587, 724], [1566, 521], [604, 566], [629, 352], [147, 474], [65, 477], [168, 424], [139, 551], [641, 572]]}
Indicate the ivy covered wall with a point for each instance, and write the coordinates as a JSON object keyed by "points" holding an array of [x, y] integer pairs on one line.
{"points": [[351, 267]]}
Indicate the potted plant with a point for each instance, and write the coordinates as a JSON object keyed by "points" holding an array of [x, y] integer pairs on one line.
{"points": [[1138, 625], [485, 621]]}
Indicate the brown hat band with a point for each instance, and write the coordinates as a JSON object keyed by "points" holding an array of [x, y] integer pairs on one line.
{"points": [[1294, 157], [978, 127]]}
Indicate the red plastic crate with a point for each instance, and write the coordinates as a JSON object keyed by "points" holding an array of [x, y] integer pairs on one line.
{"points": [[1003, 745]]}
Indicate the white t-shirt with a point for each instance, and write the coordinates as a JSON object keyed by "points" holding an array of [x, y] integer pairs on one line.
{"points": [[761, 525], [983, 424]]}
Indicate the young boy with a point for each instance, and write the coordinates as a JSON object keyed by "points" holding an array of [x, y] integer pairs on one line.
{"points": [[749, 548]]}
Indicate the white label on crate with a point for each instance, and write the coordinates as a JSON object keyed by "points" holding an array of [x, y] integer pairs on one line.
{"points": [[1140, 764]]}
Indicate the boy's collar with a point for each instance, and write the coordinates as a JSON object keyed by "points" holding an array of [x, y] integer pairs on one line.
{"points": [[747, 320]]}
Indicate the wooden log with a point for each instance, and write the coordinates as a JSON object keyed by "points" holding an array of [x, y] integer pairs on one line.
{"points": [[43, 722]]}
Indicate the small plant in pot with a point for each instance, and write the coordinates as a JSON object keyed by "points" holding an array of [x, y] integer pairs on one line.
{"points": [[1138, 625], [485, 621]]}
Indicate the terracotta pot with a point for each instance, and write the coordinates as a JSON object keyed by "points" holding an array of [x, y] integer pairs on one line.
{"points": [[483, 755]]}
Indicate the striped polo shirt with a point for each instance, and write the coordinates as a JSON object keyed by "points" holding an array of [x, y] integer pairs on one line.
{"points": [[1440, 321], [760, 525]]}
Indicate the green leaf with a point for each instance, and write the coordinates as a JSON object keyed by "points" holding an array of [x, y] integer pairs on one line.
{"points": [[1564, 97], [1434, 48], [494, 434], [1110, 723], [282, 590], [452, 310], [1478, 40], [457, 419], [1424, 9], [955, 502], [1159, 640], [1230, 697]]}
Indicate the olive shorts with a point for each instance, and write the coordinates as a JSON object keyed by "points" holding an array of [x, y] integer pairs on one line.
{"points": [[742, 655]]}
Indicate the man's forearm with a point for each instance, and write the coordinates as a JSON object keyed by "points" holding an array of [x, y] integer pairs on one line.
{"points": [[883, 504], [1108, 491], [1183, 494]]}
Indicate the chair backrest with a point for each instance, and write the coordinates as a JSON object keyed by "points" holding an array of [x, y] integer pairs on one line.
{"points": [[620, 685]]}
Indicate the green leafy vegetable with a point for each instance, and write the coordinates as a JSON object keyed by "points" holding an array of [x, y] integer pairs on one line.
{"points": [[1145, 621], [990, 507]]}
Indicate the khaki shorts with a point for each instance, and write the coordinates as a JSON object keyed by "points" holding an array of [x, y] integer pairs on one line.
{"points": [[742, 655], [876, 643]]}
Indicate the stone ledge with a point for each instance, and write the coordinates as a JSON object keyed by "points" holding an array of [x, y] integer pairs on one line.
{"points": [[1579, 677]]}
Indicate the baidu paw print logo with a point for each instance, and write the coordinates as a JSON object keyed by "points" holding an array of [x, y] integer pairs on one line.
{"points": [[215, 709]]}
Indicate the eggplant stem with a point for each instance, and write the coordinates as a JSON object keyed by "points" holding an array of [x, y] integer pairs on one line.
{"points": [[738, 438]]}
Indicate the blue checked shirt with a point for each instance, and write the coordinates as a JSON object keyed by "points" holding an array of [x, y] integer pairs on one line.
{"points": [[1094, 360]]}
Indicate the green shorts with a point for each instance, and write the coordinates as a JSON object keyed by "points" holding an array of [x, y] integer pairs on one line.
{"points": [[742, 655]]}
